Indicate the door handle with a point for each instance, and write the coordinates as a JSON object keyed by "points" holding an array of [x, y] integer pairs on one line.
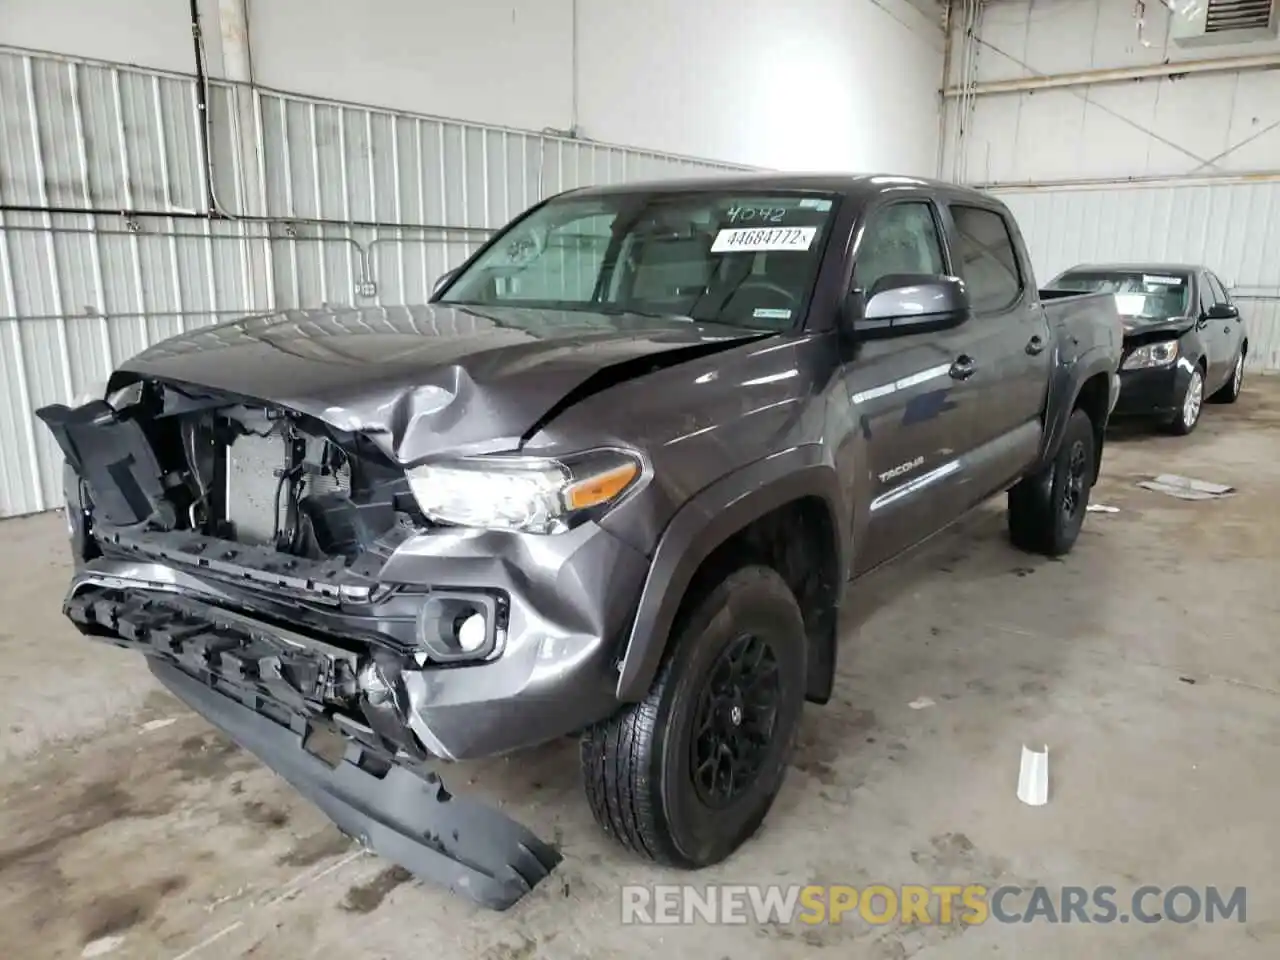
{"points": [[961, 368], [1035, 345], [1227, 328]]}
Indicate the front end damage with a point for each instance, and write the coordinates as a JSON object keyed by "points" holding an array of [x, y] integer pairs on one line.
{"points": [[281, 580]]}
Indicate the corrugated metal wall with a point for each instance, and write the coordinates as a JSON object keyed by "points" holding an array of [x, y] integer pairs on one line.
{"points": [[1233, 228], [350, 204], [1171, 123]]}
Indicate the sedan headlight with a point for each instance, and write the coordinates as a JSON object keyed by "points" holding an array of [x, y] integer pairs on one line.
{"points": [[529, 494], [1152, 355]]}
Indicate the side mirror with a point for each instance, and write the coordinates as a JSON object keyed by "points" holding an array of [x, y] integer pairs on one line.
{"points": [[902, 304], [1222, 311], [442, 281]]}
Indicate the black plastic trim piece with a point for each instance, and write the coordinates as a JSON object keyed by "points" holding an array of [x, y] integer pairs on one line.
{"points": [[328, 582], [412, 820]]}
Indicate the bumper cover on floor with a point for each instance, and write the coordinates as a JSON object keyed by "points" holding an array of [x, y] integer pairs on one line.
{"points": [[414, 821], [270, 704]]}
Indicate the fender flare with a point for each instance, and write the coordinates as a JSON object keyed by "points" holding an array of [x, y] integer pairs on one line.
{"points": [[1062, 401], [702, 525]]}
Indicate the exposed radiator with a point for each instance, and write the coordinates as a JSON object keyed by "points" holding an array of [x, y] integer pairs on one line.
{"points": [[253, 474], [252, 465]]}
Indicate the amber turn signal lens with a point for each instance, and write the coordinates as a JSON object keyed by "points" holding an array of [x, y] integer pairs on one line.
{"points": [[600, 488]]}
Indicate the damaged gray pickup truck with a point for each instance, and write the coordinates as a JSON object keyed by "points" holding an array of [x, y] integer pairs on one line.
{"points": [[610, 483]]}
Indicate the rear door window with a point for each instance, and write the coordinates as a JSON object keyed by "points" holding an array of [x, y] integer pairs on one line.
{"points": [[986, 258]]}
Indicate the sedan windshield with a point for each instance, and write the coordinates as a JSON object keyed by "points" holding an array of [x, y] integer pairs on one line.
{"points": [[1144, 296], [748, 259]]}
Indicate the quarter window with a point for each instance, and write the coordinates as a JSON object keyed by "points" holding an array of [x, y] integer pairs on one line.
{"points": [[986, 258]]}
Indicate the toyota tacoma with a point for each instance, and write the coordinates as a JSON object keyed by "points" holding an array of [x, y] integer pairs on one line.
{"points": [[609, 483]]}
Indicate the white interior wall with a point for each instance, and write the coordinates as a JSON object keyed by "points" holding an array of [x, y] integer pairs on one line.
{"points": [[1175, 168], [148, 33], [1198, 124], [504, 62], [807, 84]]}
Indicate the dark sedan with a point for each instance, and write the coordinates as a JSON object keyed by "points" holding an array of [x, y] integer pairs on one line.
{"points": [[1183, 338]]}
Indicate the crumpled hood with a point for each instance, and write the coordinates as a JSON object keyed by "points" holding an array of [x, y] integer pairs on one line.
{"points": [[424, 379], [1143, 329]]}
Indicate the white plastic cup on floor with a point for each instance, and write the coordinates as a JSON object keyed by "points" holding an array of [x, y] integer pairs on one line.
{"points": [[1033, 777]]}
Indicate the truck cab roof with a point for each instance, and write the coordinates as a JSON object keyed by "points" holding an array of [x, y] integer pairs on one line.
{"points": [[858, 186]]}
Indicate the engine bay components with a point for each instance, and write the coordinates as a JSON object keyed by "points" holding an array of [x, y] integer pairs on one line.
{"points": [[168, 459]]}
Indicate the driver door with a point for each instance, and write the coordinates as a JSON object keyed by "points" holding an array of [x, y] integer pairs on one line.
{"points": [[915, 409]]}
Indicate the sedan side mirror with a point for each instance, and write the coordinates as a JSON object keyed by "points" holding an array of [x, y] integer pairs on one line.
{"points": [[442, 281], [902, 304], [1222, 311]]}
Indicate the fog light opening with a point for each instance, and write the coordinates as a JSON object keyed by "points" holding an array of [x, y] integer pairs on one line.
{"points": [[470, 631], [453, 628]]}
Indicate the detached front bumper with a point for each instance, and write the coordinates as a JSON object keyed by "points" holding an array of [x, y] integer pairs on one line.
{"points": [[272, 692], [271, 649], [414, 821], [563, 607]]}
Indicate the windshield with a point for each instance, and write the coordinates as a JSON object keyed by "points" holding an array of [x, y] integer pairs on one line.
{"points": [[1146, 296], [748, 259]]}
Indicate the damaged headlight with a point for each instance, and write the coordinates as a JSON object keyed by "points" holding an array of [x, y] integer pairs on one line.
{"points": [[125, 396], [529, 494], [1152, 355], [117, 399], [96, 389]]}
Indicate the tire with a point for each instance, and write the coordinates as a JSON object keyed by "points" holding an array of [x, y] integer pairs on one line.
{"points": [[638, 766], [1229, 392], [1047, 510], [1191, 406]]}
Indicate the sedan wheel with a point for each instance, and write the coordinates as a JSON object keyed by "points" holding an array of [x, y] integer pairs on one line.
{"points": [[1229, 392], [1189, 415]]}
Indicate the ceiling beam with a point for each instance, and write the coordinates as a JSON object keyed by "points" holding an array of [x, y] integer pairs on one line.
{"points": [[1088, 78]]}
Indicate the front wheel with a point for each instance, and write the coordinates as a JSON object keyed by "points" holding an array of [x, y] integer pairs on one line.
{"points": [[1230, 391], [1188, 415], [687, 775], [1047, 510]]}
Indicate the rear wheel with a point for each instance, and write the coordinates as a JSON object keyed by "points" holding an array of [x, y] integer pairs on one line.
{"points": [[687, 775], [1047, 510], [1188, 415]]}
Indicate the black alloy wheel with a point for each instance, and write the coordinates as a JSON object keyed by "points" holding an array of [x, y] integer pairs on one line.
{"points": [[1075, 490], [735, 722]]}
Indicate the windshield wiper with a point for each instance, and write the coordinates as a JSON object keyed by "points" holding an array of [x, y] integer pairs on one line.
{"points": [[682, 317], [728, 294]]}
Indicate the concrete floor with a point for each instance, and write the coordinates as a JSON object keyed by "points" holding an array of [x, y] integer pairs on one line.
{"points": [[128, 828]]}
